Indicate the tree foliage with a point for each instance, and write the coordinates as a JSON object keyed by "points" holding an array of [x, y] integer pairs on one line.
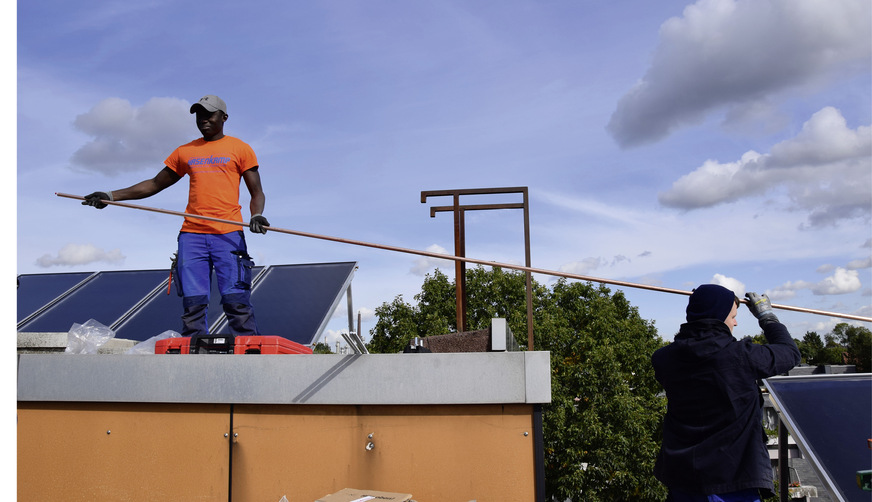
{"points": [[603, 424], [811, 348], [602, 427], [857, 341], [845, 344]]}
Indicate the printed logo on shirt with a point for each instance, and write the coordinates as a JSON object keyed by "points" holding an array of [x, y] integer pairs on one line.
{"points": [[210, 160]]}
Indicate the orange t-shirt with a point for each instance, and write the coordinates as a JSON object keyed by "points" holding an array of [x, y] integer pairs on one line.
{"points": [[215, 169]]}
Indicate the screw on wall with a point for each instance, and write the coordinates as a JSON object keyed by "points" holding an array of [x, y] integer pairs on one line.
{"points": [[370, 445]]}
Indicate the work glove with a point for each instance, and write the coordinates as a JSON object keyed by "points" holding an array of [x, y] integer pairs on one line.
{"points": [[760, 306], [96, 199], [258, 224]]}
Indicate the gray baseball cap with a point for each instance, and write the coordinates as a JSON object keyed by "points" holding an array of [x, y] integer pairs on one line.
{"points": [[211, 103]]}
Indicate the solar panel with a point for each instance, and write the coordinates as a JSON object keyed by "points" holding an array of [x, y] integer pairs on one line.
{"points": [[36, 291], [163, 310], [292, 301], [830, 418], [296, 301], [104, 298]]}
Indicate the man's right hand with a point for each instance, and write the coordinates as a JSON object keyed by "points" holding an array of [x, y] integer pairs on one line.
{"points": [[96, 199]]}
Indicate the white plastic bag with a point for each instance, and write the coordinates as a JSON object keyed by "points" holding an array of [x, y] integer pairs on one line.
{"points": [[147, 346], [87, 338]]}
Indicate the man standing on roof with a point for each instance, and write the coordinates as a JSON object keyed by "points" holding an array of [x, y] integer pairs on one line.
{"points": [[714, 446], [215, 164]]}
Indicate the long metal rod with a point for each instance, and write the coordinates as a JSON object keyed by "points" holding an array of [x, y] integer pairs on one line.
{"points": [[465, 259]]}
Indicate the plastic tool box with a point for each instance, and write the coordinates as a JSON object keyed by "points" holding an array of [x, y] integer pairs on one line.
{"points": [[268, 345], [228, 344]]}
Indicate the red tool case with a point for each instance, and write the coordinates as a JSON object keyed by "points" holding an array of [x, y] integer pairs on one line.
{"points": [[268, 345], [228, 344]]}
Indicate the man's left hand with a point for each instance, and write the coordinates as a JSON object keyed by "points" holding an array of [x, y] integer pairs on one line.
{"points": [[258, 224], [761, 307]]}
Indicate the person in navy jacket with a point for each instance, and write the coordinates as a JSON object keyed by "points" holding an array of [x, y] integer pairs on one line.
{"points": [[714, 445]]}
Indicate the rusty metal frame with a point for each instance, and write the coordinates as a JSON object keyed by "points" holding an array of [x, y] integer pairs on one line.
{"points": [[460, 241]]}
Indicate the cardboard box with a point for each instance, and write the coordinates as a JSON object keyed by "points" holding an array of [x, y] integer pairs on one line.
{"points": [[355, 495]]}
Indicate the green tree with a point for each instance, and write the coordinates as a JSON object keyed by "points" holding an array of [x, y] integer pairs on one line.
{"points": [[857, 341], [321, 348], [395, 327], [604, 421], [811, 348], [834, 351], [602, 427]]}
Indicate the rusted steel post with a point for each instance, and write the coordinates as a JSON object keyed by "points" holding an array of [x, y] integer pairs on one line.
{"points": [[462, 324], [528, 263], [460, 243], [459, 266]]}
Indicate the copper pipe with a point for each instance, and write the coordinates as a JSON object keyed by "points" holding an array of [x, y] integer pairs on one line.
{"points": [[465, 259]]}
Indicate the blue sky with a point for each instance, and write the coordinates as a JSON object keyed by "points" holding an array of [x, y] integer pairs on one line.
{"points": [[665, 143]]}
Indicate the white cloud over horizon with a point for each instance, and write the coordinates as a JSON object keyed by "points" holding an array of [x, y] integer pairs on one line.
{"points": [[425, 264], [80, 254], [826, 170], [128, 138], [731, 283], [737, 53], [841, 282]]}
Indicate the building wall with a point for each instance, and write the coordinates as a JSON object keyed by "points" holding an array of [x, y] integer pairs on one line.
{"points": [[443, 426]]}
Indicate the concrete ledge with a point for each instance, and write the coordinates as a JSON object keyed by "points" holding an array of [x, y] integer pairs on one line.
{"points": [[369, 379]]}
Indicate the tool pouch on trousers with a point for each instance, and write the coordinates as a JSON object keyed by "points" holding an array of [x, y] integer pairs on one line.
{"points": [[244, 265]]}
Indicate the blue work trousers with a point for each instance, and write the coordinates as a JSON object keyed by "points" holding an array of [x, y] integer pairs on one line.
{"points": [[227, 256]]}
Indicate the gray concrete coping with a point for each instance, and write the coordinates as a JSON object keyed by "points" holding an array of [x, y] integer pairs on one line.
{"points": [[317, 379]]}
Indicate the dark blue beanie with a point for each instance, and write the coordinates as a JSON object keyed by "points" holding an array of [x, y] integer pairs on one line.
{"points": [[710, 301]]}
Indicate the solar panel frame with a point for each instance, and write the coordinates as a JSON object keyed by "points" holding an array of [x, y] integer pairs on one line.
{"points": [[830, 418]]}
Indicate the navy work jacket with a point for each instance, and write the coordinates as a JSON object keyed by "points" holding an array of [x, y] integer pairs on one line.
{"points": [[713, 438]]}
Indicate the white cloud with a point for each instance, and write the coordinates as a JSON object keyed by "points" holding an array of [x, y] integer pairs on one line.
{"points": [[787, 290], [860, 264], [736, 53], [366, 314], [842, 282], [591, 208], [584, 266], [733, 284], [714, 183], [80, 254], [826, 171], [126, 138], [587, 265], [425, 264]]}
